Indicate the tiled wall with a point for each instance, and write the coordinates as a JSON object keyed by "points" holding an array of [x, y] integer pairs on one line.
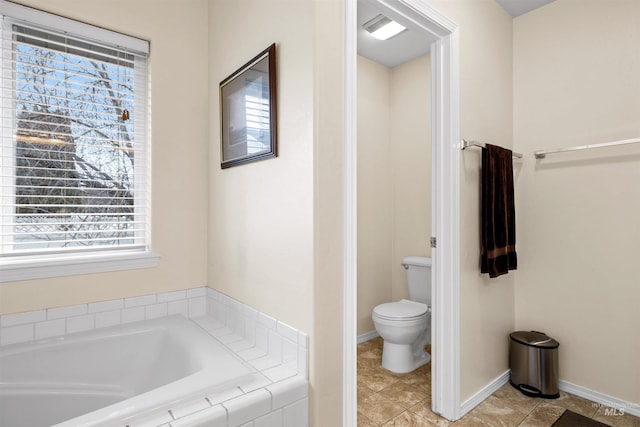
{"points": [[275, 396], [35, 325], [256, 337]]}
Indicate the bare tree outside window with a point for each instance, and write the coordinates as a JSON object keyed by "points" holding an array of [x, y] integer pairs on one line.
{"points": [[74, 146]]}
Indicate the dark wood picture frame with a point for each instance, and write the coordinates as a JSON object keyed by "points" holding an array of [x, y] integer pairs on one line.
{"points": [[248, 112]]}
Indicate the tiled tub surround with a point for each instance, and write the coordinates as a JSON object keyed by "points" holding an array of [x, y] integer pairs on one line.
{"points": [[276, 395]]}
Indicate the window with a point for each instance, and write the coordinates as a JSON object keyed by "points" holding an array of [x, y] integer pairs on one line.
{"points": [[73, 153]]}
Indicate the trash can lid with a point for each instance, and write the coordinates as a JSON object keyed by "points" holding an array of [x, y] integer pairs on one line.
{"points": [[534, 339]]}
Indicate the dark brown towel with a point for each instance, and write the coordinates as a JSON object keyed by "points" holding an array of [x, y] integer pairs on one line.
{"points": [[498, 240]]}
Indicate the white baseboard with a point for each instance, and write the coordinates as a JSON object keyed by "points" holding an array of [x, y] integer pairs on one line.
{"points": [[367, 336], [487, 391], [600, 398]]}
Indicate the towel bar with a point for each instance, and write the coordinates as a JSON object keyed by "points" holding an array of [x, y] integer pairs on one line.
{"points": [[466, 144], [541, 154]]}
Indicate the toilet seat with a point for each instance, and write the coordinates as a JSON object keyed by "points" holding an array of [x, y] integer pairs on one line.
{"points": [[402, 310]]}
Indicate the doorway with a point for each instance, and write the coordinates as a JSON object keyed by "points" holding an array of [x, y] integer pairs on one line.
{"points": [[445, 203]]}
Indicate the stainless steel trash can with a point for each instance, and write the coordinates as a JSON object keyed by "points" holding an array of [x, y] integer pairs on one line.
{"points": [[533, 359]]}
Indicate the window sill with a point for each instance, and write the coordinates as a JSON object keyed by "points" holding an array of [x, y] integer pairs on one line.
{"points": [[47, 267]]}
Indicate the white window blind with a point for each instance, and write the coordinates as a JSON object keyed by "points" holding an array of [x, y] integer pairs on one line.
{"points": [[73, 153]]}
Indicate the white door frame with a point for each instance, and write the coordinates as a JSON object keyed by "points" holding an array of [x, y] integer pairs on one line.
{"points": [[445, 317]]}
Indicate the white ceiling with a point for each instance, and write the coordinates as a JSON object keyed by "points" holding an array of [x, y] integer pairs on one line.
{"points": [[519, 7], [404, 47], [414, 42]]}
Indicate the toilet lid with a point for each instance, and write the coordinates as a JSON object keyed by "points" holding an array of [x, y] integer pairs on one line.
{"points": [[403, 309]]}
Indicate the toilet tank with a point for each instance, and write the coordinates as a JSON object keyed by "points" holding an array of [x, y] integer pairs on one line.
{"points": [[418, 270]]}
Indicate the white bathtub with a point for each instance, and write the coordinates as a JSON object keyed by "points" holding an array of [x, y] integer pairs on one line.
{"points": [[108, 376]]}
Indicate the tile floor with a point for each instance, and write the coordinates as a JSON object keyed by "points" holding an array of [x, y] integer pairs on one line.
{"points": [[404, 400]]}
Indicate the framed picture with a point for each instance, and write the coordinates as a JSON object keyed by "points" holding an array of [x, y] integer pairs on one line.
{"points": [[248, 112]]}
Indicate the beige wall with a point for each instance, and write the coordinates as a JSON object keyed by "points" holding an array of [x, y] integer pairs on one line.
{"points": [[410, 154], [275, 237], [177, 31], [374, 189], [576, 80], [486, 114], [394, 178], [261, 214], [326, 345]]}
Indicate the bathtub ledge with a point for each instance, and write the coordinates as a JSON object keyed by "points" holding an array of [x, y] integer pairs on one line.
{"points": [[276, 390]]}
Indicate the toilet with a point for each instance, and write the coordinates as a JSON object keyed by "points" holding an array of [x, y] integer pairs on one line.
{"points": [[405, 325]]}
